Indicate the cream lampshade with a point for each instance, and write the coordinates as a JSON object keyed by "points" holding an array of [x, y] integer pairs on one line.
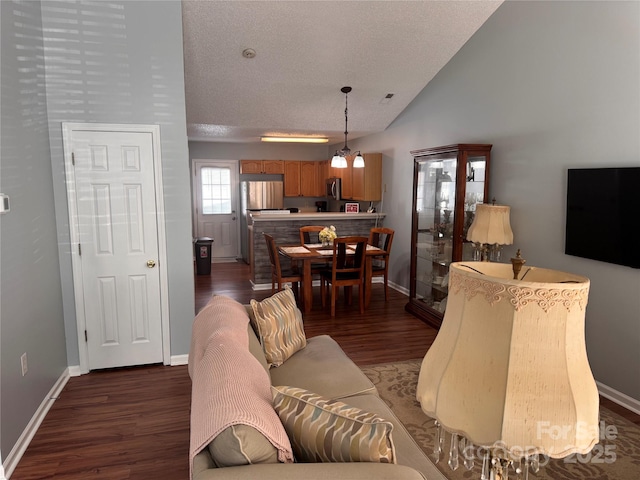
{"points": [[490, 229], [508, 370]]}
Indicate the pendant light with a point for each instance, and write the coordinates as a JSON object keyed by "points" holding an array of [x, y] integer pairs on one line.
{"points": [[339, 158]]}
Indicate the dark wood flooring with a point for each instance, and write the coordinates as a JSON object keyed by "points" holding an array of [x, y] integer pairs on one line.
{"points": [[133, 423]]}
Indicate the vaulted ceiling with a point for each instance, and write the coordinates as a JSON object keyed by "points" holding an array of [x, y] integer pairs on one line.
{"points": [[305, 52]]}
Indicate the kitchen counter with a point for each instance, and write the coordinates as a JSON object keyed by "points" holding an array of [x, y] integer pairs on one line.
{"points": [[320, 217], [285, 229]]}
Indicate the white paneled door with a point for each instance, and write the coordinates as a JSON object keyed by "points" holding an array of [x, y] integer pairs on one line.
{"points": [[118, 251]]}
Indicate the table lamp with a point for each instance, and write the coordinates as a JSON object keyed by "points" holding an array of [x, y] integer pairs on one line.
{"points": [[490, 230], [508, 376]]}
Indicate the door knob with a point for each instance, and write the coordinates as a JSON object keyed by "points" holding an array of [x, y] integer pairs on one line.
{"points": [[151, 263]]}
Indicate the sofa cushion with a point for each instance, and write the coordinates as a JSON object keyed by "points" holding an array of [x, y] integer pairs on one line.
{"points": [[408, 452], [279, 323], [205, 470], [241, 445], [323, 430], [323, 367]]}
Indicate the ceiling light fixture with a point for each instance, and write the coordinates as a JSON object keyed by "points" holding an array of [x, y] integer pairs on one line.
{"points": [[294, 139], [339, 159]]}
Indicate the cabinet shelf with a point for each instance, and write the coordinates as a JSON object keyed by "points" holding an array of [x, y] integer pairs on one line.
{"points": [[443, 263], [440, 288], [448, 182]]}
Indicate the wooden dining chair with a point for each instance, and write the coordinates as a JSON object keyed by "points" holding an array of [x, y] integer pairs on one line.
{"points": [[382, 238], [347, 270], [280, 275], [309, 234], [306, 234]]}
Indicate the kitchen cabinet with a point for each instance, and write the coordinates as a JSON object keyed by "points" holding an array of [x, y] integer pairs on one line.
{"points": [[448, 182], [367, 181], [262, 166], [363, 184], [303, 179]]}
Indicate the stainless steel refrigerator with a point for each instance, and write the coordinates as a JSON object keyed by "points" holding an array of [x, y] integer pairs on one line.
{"points": [[255, 196]]}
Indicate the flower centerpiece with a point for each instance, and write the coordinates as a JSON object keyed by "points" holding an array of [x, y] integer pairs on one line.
{"points": [[327, 234]]}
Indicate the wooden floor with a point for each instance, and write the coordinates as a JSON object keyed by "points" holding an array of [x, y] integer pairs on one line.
{"points": [[133, 423], [385, 333]]}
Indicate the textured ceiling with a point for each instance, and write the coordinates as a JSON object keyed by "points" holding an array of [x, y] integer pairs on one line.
{"points": [[306, 51]]}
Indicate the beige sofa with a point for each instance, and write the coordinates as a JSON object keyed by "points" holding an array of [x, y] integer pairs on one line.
{"points": [[321, 367]]}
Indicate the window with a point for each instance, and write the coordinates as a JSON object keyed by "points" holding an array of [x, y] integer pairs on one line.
{"points": [[216, 190]]}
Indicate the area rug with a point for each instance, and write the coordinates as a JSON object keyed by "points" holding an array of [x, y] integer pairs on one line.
{"points": [[616, 457]]}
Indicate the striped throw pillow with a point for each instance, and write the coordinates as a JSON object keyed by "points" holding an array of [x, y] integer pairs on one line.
{"points": [[278, 321], [322, 430]]}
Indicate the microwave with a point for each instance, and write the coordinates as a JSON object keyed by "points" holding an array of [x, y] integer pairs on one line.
{"points": [[334, 188]]}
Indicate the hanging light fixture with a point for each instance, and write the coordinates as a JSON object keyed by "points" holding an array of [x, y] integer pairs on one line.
{"points": [[339, 159]]}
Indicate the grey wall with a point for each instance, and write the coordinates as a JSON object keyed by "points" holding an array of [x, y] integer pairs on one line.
{"points": [[552, 85], [121, 62], [31, 318], [106, 62]]}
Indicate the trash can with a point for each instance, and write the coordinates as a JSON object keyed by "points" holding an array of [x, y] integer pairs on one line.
{"points": [[203, 255]]}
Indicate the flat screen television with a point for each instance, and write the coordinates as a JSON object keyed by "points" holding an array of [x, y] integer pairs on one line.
{"points": [[602, 214]]}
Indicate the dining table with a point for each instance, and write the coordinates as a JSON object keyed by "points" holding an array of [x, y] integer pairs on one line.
{"points": [[315, 252]]}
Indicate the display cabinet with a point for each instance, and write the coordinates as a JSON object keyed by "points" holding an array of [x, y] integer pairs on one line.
{"points": [[448, 182]]}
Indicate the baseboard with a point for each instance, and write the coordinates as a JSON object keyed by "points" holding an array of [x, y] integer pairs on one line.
{"points": [[27, 435], [620, 398], [179, 360], [74, 371], [224, 260], [398, 288]]}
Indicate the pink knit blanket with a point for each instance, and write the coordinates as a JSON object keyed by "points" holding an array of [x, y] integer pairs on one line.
{"points": [[229, 386]]}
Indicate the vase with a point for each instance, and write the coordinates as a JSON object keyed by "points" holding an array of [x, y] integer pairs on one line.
{"points": [[325, 243]]}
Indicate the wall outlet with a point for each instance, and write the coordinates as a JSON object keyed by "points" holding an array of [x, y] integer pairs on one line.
{"points": [[23, 363]]}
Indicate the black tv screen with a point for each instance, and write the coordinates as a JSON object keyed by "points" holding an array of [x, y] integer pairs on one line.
{"points": [[602, 214]]}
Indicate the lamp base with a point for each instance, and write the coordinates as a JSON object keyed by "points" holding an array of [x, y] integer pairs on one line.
{"points": [[517, 262], [486, 252]]}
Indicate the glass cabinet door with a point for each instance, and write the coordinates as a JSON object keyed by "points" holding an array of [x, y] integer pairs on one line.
{"points": [[448, 183], [474, 193], [435, 199]]}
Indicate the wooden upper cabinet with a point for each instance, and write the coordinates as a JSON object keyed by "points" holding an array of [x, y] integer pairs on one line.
{"points": [[366, 183], [262, 166], [309, 179], [292, 179], [346, 174], [273, 166], [323, 174], [304, 179], [333, 172], [250, 166]]}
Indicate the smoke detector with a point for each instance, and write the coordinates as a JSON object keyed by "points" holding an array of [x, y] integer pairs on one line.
{"points": [[248, 53]]}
